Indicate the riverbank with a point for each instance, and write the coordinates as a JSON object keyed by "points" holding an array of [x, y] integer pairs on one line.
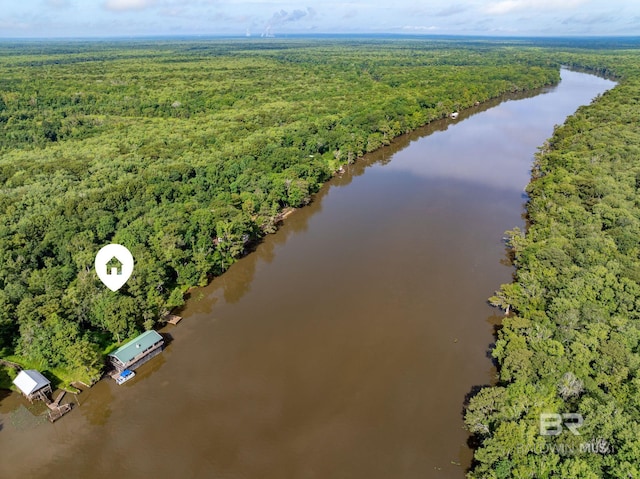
{"points": [[332, 327], [570, 345], [63, 379], [165, 168], [243, 239]]}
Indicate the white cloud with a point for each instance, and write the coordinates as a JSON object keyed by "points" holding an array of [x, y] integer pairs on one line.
{"points": [[124, 5], [509, 6], [42, 18]]}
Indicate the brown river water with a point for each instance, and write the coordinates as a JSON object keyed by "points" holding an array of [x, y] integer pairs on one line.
{"points": [[344, 346]]}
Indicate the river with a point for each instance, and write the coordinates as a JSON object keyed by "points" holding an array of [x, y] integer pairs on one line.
{"points": [[344, 346]]}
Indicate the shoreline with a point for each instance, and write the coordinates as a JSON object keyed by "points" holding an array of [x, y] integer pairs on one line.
{"points": [[277, 220], [544, 226], [463, 114], [245, 312]]}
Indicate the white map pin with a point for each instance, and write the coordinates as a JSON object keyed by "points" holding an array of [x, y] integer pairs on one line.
{"points": [[114, 265]]}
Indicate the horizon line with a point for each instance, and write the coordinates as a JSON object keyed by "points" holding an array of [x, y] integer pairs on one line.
{"points": [[319, 34]]}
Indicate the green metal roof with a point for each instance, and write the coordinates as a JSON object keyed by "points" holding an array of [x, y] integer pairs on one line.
{"points": [[130, 350]]}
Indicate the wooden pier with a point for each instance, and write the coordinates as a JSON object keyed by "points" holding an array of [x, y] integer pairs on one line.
{"points": [[58, 412], [34, 386], [56, 403], [173, 319]]}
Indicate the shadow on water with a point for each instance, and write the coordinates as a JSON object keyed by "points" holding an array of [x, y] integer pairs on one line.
{"points": [[168, 338], [149, 368], [5, 380], [474, 441], [4, 393]]}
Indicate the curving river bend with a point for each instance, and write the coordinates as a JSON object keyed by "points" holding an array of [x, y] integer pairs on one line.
{"points": [[344, 346]]}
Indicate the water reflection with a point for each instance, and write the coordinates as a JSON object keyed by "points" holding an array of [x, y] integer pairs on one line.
{"points": [[498, 135], [236, 283], [95, 403]]}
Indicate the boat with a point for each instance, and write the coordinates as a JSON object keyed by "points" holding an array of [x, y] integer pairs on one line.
{"points": [[125, 376], [454, 115]]}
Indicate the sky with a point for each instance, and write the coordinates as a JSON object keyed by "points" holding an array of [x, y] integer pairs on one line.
{"points": [[117, 18]]}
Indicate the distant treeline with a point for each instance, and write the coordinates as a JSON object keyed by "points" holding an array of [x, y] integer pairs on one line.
{"points": [[185, 151], [571, 343]]}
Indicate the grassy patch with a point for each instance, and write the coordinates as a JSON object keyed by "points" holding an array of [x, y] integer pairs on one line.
{"points": [[60, 378]]}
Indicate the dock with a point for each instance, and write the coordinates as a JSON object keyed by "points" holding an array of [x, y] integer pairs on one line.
{"points": [[56, 403], [34, 386], [173, 319], [56, 411]]}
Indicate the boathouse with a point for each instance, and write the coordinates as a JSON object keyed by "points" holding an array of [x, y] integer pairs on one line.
{"points": [[137, 351], [33, 385]]}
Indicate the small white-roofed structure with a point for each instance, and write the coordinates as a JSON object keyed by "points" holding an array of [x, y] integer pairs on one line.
{"points": [[33, 384]]}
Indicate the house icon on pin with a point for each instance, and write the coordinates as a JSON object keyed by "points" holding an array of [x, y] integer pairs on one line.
{"points": [[113, 267]]}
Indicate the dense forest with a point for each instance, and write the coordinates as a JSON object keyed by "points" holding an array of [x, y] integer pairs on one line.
{"points": [[184, 152], [570, 343]]}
